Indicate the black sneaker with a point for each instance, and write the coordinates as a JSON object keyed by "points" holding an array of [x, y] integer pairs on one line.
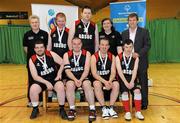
{"points": [[71, 115], [34, 113], [92, 115], [63, 114]]}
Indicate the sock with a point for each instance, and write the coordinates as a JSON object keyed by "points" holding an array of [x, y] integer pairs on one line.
{"points": [[92, 107], [35, 104], [137, 102], [125, 102], [72, 107], [111, 106]]}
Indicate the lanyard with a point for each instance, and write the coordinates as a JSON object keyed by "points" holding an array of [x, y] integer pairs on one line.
{"points": [[76, 62], [60, 35], [43, 62], [129, 60], [103, 62]]}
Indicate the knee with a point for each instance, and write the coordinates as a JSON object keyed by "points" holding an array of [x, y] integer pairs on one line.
{"points": [[115, 86], [86, 85], [137, 91], [35, 89], [137, 94], [125, 96], [59, 86], [70, 85], [97, 85]]}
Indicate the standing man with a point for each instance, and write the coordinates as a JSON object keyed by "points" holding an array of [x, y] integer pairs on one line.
{"points": [[141, 41], [104, 71], [30, 37], [86, 30], [43, 69], [77, 66]]}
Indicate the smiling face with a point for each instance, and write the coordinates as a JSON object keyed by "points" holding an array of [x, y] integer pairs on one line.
{"points": [[86, 14], [76, 44], [107, 25], [132, 21], [34, 23], [104, 46], [39, 49]]}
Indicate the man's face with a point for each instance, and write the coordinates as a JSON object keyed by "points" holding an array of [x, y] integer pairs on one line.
{"points": [[86, 14], [128, 48], [61, 21], [34, 23], [104, 46], [132, 22], [76, 45], [39, 49], [107, 25]]}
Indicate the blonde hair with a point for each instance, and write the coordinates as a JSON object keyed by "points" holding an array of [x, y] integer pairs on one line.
{"points": [[33, 17]]}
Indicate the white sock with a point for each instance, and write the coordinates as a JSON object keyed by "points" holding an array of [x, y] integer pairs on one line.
{"points": [[50, 93], [72, 107], [92, 107], [35, 104]]}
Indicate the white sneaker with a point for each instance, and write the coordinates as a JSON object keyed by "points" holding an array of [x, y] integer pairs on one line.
{"points": [[139, 115], [112, 113], [105, 113], [127, 116]]}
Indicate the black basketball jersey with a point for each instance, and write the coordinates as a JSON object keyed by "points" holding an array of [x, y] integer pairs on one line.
{"points": [[127, 70], [77, 69], [51, 71], [104, 70], [59, 47], [87, 36]]}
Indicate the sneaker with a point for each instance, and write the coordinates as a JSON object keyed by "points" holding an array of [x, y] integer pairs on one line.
{"points": [[139, 115], [63, 114], [92, 115], [127, 116], [112, 113], [34, 113], [105, 113], [71, 115]]}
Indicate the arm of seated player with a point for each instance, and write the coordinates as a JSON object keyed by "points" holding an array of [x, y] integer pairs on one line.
{"points": [[96, 38], [86, 67], [59, 61], [71, 35], [49, 46], [67, 67], [25, 49], [38, 78], [134, 72], [113, 70], [120, 72], [94, 70]]}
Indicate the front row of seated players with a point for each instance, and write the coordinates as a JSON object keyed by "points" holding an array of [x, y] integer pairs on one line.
{"points": [[77, 63]]}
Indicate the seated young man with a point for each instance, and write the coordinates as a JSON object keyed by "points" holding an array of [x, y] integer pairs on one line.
{"points": [[104, 71], [43, 70], [77, 67], [127, 67]]}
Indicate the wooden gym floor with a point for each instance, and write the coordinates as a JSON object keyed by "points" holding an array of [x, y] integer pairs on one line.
{"points": [[164, 98]]}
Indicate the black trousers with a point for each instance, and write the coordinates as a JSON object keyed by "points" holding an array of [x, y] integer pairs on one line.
{"points": [[143, 80]]}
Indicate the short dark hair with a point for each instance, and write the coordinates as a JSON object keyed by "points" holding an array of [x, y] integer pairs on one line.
{"points": [[105, 19], [39, 42], [128, 42], [60, 14], [86, 7], [106, 39], [133, 15], [76, 38]]}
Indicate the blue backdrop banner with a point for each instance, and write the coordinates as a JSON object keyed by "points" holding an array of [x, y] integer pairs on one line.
{"points": [[121, 10]]}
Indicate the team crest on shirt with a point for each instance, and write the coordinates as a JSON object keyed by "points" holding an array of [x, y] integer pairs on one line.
{"points": [[30, 38], [72, 60], [113, 36], [42, 37], [99, 63], [123, 63], [79, 26], [54, 35], [38, 64]]}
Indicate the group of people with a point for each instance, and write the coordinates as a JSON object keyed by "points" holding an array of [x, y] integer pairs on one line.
{"points": [[105, 65]]}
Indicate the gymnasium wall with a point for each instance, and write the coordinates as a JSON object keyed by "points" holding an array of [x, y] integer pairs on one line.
{"points": [[155, 8]]}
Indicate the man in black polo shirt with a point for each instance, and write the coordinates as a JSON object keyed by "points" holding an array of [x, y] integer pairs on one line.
{"points": [[30, 37]]}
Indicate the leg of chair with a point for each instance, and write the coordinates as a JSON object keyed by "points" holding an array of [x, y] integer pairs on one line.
{"points": [[45, 100]]}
